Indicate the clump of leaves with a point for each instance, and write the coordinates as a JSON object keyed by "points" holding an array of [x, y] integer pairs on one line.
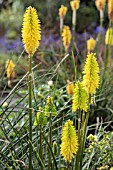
{"points": [[99, 150]]}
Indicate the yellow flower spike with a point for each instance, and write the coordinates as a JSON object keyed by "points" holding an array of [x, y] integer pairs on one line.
{"points": [[62, 11], [75, 4], [10, 69], [66, 36], [91, 44], [31, 31], [110, 9], [69, 87], [80, 98], [91, 74], [109, 36], [100, 4], [69, 145]]}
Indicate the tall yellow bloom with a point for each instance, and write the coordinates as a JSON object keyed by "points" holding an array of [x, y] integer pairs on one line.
{"points": [[62, 11], [10, 69], [66, 36], [75, 4], [80, 98], [31, 31], [91, 44], [91, 74], [69, 87], [100, 4], [110, 9], [109, 36], [69, 145]]}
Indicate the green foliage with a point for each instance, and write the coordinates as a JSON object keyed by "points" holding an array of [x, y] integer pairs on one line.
{"points": [[10, 15], [48, 11], [89, 15], [99, 150]]}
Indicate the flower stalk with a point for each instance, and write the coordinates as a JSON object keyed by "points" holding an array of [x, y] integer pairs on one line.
{"points": [[79, 123], [75, 65], [73, 28], [50, 140], [67, 168], [40, 121], [50, 110], [100, 33], [82, 136], [85, 132], [62, 13], [108, 42], [41, 147], [100, 6], [74, 6], [30, 111]]}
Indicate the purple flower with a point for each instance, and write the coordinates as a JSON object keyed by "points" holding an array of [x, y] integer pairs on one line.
{"points": [[97, 30]]}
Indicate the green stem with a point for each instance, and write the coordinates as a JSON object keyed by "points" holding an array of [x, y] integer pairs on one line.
{"points": [[61, 46], [105, 65], [77, 165], [73, 36], [50, 142], [67, 166], [30, 111], [100, 33], [106, 58], [79, 157], [74, 45], [84, 133], [65, 67], [73, 28], [41, 148], [79, 124], [75, 69], [61, 54], [83, 119], [51, 130]]}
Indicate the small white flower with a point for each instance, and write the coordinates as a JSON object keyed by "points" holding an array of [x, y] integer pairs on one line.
{"points": [[50, 83], [57, 103]]}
